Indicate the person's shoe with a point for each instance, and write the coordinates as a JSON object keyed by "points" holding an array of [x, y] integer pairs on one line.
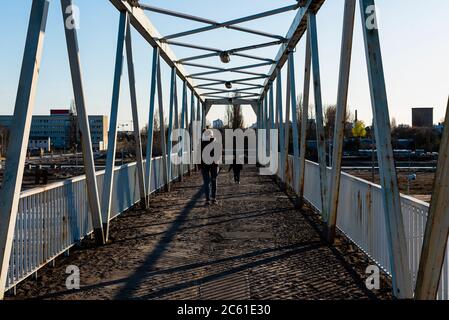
{"points": [[207, 203], [214, 201]]}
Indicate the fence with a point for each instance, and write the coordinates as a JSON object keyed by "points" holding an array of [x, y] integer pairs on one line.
{"points": [[53, 218], [361, 219]]}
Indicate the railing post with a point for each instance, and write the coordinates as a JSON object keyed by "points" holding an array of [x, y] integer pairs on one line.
{"points": [[321, 139], [280, 122], [165, 161], [112, 133], [305, 118], [397, 244], [149, 153], [340, 117], [437, 226], [19, 134], [291, 65], [135, 115], [83, 121]]}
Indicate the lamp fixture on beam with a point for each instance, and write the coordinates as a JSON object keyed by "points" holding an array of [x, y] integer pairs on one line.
{"points": [[225, 57]]}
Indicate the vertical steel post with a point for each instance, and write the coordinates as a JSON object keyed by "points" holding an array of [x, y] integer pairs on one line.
{"points": [[321, 139], [291, 65], [271, 112], [170, 117], [203, 114], [305, 118], [437, 226], [149, 153], [165, 160], [112, 133], [135, 115], [280, 117], [176, 119], [340, 117], [19, 134], [266, 120], [287, 127], [397, 243], [192, 119], [83, 121], [271, 115], [184, 125]]}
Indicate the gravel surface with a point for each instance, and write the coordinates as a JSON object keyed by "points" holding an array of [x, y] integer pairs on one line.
{"points": [[254, 244]]}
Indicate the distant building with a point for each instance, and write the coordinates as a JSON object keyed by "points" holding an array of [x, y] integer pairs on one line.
{"points": [[217, 124], [38, 143], [62, 128], [422, 117]]}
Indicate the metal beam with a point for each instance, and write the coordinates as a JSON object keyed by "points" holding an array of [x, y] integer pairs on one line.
{"points": [[112, 133], [83, 122], [321, 139], [304, 119], [149, 153], [184, 125], [19, 134], [166, 161], [229, 91], [295, 33], [286, 146], [230, 24], [228, 101], [397, 244], [170, 117], [340, 117], [143, 25], [235, 69], [135, 115], [437, 226], [280, 117], [294, 115]]}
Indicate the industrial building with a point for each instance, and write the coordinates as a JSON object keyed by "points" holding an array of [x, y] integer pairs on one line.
{"points": [[422, 117], [61, 128]]}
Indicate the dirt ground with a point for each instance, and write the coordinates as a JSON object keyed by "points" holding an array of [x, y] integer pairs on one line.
{"points": [[253, 245], [421, 188]]}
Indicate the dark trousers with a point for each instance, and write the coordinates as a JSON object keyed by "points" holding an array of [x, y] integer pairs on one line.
{"points": [[210, 173], [237, 174]]}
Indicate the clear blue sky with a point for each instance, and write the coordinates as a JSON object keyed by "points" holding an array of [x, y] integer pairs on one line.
{"points": [[414, 43]]}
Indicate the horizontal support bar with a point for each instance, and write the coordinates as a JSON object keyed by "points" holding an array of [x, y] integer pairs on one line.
{"points": [[143, 25]]}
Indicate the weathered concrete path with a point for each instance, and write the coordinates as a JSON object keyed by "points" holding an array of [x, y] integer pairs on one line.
{"points": [[252, 245]]}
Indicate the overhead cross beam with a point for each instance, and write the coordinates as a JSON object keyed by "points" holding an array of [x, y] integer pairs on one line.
{"points": [[143, 25], [216, 25], [295, 33]]}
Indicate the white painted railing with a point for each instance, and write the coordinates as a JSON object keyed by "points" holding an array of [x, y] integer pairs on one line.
{"points": [[361, 218], [53, 218]]}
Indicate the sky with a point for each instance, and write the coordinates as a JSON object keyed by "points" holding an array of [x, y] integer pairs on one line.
{"points": [[414, 45]]}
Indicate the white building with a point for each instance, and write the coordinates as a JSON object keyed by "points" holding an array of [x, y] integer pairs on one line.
{"points": [[61, 126]]}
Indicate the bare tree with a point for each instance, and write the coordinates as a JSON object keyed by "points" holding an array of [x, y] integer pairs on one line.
{"points": [[234, 116]]}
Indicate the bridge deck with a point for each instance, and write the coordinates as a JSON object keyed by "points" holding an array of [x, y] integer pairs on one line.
{"points": [[253, 245]]}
